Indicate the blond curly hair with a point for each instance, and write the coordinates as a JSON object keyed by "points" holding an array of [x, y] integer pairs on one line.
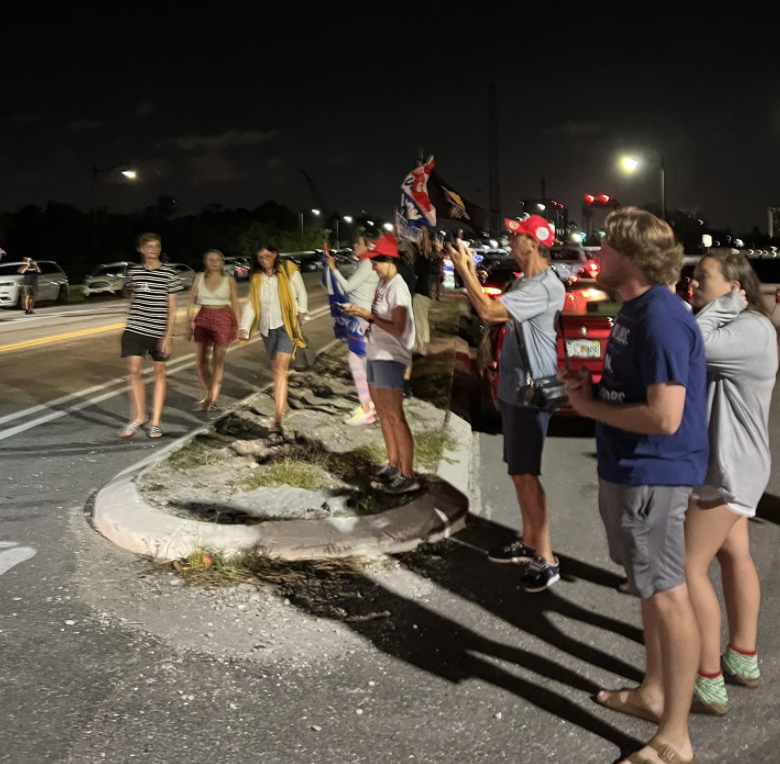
{"points": [[646, 240]]}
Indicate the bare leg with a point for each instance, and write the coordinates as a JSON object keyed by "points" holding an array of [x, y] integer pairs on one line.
{"points": [[218, 374], [280, 366], [741, 589], [202, 369], [160, 389], [536, 520], [680, 650], [394, 420], [137, 391], [706, 530], [383, 411]]}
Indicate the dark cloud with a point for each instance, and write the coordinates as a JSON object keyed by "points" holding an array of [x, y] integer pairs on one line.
{"points": [[85, 124], [214, 167], [222, 141]]}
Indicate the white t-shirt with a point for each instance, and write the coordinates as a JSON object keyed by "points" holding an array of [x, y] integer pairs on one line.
{"points": [[381, 345]]}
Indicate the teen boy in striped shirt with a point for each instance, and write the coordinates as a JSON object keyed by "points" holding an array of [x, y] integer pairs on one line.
{"points": [[149, 329]]}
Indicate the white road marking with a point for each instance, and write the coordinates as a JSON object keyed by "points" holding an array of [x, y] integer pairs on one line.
{"points": [[180, 364], [11, 554]]}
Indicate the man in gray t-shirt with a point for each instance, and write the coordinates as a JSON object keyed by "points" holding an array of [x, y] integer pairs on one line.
{"points": [[529, 310]]}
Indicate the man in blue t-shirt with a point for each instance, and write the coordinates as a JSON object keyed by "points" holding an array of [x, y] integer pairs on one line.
{"points": [[651, 434]]}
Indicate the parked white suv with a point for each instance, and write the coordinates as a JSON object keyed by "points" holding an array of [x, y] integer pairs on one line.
{"points": [[52, 283], [106, 279]]}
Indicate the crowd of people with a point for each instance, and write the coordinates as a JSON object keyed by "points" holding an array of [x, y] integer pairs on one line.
{"points": [[682, 433], [681, 412], [378, 295]]}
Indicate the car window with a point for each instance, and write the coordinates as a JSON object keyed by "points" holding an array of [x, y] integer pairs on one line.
{"points": [[49, 268], [767, 270], [110, 270], [8, 270], [585, 297]]}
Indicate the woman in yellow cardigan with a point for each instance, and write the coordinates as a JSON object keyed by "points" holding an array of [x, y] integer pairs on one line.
{"points": [[276, 306]]}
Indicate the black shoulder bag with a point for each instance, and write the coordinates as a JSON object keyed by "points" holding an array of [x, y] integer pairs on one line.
{"points": [[545, 393]]}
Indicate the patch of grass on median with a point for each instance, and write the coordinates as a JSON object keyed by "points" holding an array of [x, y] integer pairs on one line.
{"points": [[291, 472], [429, 448], [195, 453], [204, 567]]}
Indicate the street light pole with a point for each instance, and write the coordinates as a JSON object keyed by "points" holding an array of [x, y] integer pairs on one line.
{"points": [[301, 216], [338, 245], [663, 188]]}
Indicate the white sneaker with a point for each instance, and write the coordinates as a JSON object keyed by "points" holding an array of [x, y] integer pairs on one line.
{"points": [[360, 417]]}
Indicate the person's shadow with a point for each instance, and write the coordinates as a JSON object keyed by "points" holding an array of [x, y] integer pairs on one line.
{"points": [[445, 648]]}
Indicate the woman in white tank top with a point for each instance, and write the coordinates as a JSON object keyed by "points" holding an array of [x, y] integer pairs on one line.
{"points": [[215, 324]]}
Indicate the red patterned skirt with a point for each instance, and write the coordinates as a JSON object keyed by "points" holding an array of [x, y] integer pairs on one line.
{"points": [[216, 325]]}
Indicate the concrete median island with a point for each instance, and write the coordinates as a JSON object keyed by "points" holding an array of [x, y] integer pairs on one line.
{"points": [[228, 488]]}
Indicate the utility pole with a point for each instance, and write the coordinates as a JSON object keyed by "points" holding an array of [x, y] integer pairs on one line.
{"points": [[493, 159]]}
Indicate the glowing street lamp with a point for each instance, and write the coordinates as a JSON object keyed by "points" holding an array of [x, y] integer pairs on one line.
{"points": [[631, 164], [388, 227], [315, 212], [347, 218]]}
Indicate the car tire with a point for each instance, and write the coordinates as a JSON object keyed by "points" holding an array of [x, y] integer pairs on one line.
{"points": [[62, 295]]}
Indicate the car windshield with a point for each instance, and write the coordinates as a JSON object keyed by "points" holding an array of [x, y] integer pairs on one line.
{"points": [[110, 270]]}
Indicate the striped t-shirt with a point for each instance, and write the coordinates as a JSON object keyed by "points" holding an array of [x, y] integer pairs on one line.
{"points": [[150, 290]]}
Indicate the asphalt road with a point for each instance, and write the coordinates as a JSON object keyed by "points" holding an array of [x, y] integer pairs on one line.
{"points": [[105, 660]]}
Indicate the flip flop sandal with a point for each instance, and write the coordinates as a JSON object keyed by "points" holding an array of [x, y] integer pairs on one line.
{"points": [[130, 429], [614, 703], [200, 405], [666, 753], [155, 432], [214, 407]]}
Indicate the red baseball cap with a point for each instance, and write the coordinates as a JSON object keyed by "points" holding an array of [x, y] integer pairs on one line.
{"points": [[534, 226], [386, 245]]}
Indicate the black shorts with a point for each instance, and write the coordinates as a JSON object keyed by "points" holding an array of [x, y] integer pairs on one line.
{"points": [[525, 430], [140, 345]]}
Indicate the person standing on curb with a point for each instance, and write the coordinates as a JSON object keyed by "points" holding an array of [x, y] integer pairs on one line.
{"points": [[390, 342], [277, 305], [215, 326], [529, 308], [421, 301], [360, 288], [651, 434], [150, 327], [740, 344], [30, 271]]}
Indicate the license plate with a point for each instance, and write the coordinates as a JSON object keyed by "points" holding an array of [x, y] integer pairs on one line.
{"points": [[583, 348]]}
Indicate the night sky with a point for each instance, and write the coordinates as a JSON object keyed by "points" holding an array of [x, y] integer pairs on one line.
{"points": [[228, 111]]}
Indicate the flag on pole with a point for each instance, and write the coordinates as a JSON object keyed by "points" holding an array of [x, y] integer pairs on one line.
{"points": [[450, 205], [416, 211], [345, 327]]}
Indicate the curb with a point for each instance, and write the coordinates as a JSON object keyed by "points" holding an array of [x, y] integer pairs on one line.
{"points": [[118, 512]]}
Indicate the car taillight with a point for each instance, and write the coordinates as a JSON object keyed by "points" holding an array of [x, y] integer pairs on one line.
{"points": [[777, 296], [592, 267], [492, 292]]}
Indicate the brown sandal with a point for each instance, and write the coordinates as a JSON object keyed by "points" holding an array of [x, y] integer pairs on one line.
{"points": [[666, 753], [614, 703]]}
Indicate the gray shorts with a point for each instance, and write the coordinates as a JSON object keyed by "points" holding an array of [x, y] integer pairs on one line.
{"points": [[277, 341], [646, 533]]}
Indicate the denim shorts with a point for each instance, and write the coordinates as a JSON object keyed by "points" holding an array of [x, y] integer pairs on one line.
{"points": [[386, 375], [277, 341]]}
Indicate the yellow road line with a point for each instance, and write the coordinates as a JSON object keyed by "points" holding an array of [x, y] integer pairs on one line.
{"points": [[69, 335]]}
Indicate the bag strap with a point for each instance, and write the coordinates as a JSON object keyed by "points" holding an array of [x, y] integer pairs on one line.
{"points": [[524, 350]]}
